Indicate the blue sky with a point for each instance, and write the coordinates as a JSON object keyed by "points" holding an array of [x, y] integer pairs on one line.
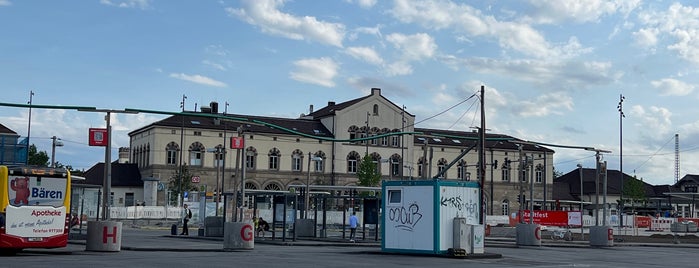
{"points": [[553, 70]]}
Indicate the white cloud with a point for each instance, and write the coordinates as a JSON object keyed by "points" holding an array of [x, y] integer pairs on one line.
{"points": [[214, 65], [319, 71], [141, 4], [552, 12], [551, 74], [517, 36], [679, 24], [544, 105], [5, 3], [364, 3], [398, 68], [366, 54], [203, 80], [672, 87], [266, 15], [657, 117], [413, 47]]}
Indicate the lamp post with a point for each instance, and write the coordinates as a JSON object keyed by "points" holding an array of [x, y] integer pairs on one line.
{"points": [[55, 142], [308, 184], [582, 233], [621, 162], [218, 151]]}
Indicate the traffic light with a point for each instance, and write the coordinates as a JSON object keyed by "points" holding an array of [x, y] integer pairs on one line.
{"points": [[239, 199]]}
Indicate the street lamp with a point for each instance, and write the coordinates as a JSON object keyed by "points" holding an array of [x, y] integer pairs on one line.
{"points": [[218, 151], [55, 142], [308, 183]]}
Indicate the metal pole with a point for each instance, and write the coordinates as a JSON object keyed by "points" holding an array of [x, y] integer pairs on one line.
{"points": [[481, 157], [180, 197], [521, 187], [621, 163], [604, 194], [107, 181], [308, 189], [582, 233], [402, 143], [242, 184], [29, 126], [597, 169], [53, 152], [218, 189], [531, 189]]}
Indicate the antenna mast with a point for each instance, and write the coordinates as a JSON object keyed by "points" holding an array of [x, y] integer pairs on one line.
{"points": [[677, 158]]}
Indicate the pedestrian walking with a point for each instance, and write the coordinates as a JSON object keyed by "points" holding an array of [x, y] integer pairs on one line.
{"points": [[353, 225], [185, 220]]}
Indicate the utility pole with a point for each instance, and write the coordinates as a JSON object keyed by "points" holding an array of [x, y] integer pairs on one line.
{"points": [[621, 162], [180, 198], [481, 157], [29, 126]]}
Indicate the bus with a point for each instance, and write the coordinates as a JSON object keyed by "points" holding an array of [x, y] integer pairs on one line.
{"points": [[34, 207]]}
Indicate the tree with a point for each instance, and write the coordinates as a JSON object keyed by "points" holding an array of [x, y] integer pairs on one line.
{"points": [[37, 158], [556, 173], [174, 183], [368, 174], [635, 191]]}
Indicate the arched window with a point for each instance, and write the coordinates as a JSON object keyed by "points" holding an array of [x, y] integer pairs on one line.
{"points": [[376, 159], [442, 167], [352, 160], [394, 163], [274, 155], [196, 154], [505, 170], [539, 173], [297, 160], [218, 155], [319, 165], [376, 109], [506, 207], [353, 130], [146, 156], [461, 170], [171, 151], [421, 167], [251, 158], [273, 187]]}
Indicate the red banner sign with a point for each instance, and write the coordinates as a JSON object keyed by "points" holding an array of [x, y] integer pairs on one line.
{"points": [[98, 137], [237, 143], [550, 218]]}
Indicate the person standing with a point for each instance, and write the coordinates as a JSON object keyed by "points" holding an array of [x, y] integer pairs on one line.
{"points": [[353, 225], [185, 220]]}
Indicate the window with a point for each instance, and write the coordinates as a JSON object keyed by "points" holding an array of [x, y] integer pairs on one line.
{"points": [[376, 109], [384, 141], [395, 141], [376, 160], [352, 159], [274, 159], [296, 159], [442, 167], [539, 174], [218, 155], [273, 187], [171, 153], [197, 133], [250, 157], [196, 154], [319, 164], [505, 170], [461, 170], [353, 133], [421, 167], [395, 165], [173, 131], [505, 207], [394, 196]]}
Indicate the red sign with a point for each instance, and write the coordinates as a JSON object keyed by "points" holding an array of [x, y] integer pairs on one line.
{"points": [[246, 233], [196, 179], [237, 143], [550, 218], [642, 221], [98, 137]]}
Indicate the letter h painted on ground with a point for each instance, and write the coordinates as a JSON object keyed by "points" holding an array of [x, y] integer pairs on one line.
{"points": [[106, 235]]}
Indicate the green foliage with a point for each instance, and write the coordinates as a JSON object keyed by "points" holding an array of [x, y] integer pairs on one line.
{"points": [[635, 192], [37, 158], [556, 173], [368, 174], [186, 181]]}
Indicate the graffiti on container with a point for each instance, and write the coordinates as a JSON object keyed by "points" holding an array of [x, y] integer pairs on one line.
{"points": [[405, 218], [470, 208]]}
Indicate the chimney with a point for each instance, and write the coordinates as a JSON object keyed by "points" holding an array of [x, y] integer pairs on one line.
{"points": [[310, 109], [331, 103], [214, 107], [375, 91]]}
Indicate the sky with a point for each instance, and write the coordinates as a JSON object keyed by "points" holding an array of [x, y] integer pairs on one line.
{"points": [[554, 71]]}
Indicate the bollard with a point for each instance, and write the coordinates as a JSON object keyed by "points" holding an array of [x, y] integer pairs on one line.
{"points": [[103, 236], [238, 235]]}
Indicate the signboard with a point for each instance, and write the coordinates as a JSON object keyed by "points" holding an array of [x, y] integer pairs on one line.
{"points": [[551, 218], [237, 142], [98, 137], [196, 179], [31, 191], [35, 221]]}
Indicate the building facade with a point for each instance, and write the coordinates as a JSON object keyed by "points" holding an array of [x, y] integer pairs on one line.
{"points": [[326, 146]]}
